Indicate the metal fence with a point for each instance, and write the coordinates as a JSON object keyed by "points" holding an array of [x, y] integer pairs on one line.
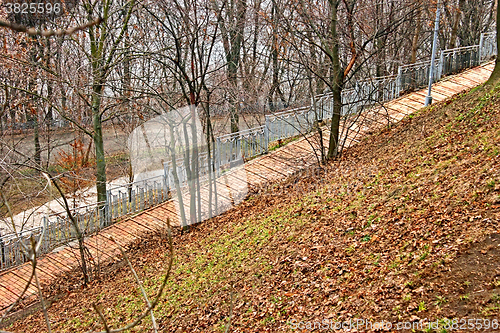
{"points": [[323, 104], [488, 46], [455, 60], [57, 230], [136, 196], [241, 146], [237, 147], [380, 89], [415, 76], [204, 164], [290, 123]]}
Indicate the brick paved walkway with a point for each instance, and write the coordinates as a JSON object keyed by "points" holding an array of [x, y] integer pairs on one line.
{"points": [[269, 168]]}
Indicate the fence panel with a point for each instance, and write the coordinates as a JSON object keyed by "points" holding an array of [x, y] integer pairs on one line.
{"points": [[323, 105], [123, 200], [290, 123], [455, 60], [57, 229], [488, 46], [384, 88], [240, 146], [416, 75]]}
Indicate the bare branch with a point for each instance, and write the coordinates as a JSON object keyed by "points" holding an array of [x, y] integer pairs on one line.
{"points": [[47, 33], [155, 302], [39, 288], [228, 325], [155, 327], [99, 312]]}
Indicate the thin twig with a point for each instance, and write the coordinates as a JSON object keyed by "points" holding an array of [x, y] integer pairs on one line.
{"points": [[124, 254], [40, 295], [160, 291], [47, 33], [99, 312], [228, 325]]}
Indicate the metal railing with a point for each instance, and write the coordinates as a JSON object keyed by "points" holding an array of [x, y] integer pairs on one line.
{"points": [[455, 60], [136, 196], [415, 76], [487, 46], [58, 229], [241, 146], [290, 123], [204, 164], [382, 89], [237, 147], [323, 104]]}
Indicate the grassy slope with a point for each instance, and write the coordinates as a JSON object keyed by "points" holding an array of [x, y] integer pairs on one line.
{"points": [[383, 234]]}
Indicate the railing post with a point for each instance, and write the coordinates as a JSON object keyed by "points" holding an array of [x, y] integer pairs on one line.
{"points": [[134, 200], [481, 44], [123, 202], [165, 180], [266, 135], [399, 83], [213, 166], [109, 213], [218, 157], [239, 147], [105, 213], [440, 66], [494, 47], [46, 238], [141, 198], [476, 60], [101, 215]]}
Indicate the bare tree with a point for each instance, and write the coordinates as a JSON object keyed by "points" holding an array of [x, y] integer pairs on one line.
{"points": [[232, 19], [495, 75]]}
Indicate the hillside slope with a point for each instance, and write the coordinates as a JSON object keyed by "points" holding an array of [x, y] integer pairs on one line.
{"points": [[403, 228]]}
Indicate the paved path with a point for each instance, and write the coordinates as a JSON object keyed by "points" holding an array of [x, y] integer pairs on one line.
{"points": [[269, 168]]}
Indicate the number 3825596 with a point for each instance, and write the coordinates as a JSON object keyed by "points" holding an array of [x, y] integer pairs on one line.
{"points": [[32, 8]]}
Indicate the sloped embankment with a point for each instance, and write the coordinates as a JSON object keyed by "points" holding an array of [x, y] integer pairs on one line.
{"points": [[404, 227]]}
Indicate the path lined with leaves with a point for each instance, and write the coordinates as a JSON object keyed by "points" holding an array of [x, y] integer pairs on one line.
{"points": [[272, 167]]}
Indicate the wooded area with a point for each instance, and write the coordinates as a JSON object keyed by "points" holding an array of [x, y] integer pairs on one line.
{"points": [[137, 59]]}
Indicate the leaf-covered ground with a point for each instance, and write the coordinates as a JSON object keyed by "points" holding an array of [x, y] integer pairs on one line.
{"points": [[404, 227]]}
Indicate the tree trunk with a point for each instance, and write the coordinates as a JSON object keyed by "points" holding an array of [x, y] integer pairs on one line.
{"points": [[232, 42], [232, 76], [454, 30], [333, 148], [414, 42], [98, 142], [38, 150], [275, 86], [336, 82], [495, 75], [32, 112]]}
